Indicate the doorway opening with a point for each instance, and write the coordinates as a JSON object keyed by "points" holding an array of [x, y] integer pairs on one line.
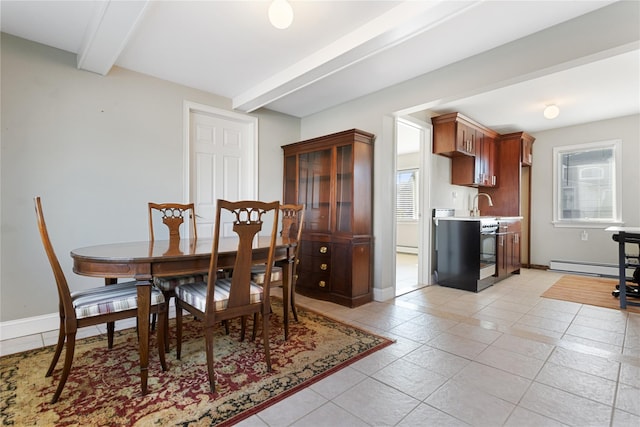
{"points": [[412, 196]]}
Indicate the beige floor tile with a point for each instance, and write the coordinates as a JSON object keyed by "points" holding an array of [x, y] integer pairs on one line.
{"points": [[437, 361], [596, 334], [524, 346], [565, 407], [628, 399], [591, 343], [543, 323], [588, 363], [471, 405], [460, 346], [521, 417], [476, 333], [493, 381], [578, 383], [293, 408], [510, 361], [329, 415], [630, 374], [624, 419], [410, 379], [338, 383], [426, 415], [369, 401]]}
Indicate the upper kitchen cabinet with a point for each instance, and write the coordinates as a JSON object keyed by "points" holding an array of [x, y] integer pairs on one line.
{"points": [[333, 177], [453, 135], [471, 147], [507, 196]]}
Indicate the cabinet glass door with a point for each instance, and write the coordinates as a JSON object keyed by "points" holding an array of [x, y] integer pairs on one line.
{"points": [[344, 188], [290, 181], [314, 189]]}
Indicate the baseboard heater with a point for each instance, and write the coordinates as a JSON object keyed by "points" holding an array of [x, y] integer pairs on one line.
{"points": [[589, 268]]}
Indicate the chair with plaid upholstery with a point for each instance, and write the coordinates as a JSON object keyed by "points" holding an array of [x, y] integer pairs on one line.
{"points": [[91, 307], [173, 215], [292, 218], [221, 299]]}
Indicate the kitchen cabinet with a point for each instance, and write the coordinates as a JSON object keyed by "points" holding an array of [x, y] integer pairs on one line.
{"points": [[332, 176], [454, 135], [471, 147], [508, 247], [526, 150]]}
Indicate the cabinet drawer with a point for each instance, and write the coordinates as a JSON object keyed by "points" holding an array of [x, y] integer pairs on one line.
{"points": [[310, 248], [315, 264], [315, 281]]}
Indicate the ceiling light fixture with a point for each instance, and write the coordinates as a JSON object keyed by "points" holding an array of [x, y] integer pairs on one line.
{"points": [[551, 111], [280, 14]]}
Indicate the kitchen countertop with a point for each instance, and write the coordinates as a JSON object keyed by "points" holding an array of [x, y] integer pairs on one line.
{"points": [[478, 218]]}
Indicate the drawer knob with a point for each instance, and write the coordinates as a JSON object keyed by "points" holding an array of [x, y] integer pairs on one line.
{"points": [[323, 249], [322, 283], [323, 266]]}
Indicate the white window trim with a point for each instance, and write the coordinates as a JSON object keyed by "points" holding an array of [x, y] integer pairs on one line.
{"points": [[616, 144]]}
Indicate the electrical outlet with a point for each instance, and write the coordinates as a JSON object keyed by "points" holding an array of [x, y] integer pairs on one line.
{"points": [[584, 236]]}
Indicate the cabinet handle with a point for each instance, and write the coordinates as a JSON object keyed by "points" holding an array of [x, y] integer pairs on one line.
{"points": [[322, 283], [297, 261], [323, 249], [493, 180], [323, 266]]}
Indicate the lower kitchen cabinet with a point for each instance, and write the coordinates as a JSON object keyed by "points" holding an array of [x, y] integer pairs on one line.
{"points": [[508, 247]]}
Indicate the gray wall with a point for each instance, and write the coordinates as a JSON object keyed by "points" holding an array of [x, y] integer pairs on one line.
{"points": [[555, 243], [97, 149], [505, 65]]}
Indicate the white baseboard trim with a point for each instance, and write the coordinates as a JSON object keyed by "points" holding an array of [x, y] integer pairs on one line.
{"points": [[39, 324], [594, 269], [385, 294], [29, 326]]}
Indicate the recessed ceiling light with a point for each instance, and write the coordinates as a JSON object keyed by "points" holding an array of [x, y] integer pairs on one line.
{"points": [[551, 111], [280, 14]]}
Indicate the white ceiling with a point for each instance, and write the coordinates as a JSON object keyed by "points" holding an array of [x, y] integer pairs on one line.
{"points": [[334, 52]]}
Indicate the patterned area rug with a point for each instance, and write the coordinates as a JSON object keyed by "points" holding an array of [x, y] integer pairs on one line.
{"points": [[103, 388]]}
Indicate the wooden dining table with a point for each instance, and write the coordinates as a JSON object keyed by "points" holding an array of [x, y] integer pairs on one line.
{"points": [[145, 260]]}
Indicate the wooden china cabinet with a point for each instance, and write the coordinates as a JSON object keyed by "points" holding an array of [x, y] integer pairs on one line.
{"points": [[333, 176]]}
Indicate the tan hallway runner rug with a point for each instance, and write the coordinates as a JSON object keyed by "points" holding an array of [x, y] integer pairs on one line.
{"points": [[588, 290], [103, 388]]}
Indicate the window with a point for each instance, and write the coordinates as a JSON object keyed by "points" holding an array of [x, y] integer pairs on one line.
{"points": [[587, 179], [407, 195]]}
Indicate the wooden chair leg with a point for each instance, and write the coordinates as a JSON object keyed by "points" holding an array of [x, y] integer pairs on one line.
{"points": [[293, 303], [243, 327], [56, 355], [163, 315], [255, 327], [111, 327], [178, 330], [209, 337], [68, 361], [265, 338]]}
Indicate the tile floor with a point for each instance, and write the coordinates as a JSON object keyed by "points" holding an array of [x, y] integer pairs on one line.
{"points": [[502, 357]]}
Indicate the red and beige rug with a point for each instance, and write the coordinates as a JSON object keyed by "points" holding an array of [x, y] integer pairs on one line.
{"points": [[103, 388]]}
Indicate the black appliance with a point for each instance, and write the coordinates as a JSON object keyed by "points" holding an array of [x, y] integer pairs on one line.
{"points": [[466, 252]]}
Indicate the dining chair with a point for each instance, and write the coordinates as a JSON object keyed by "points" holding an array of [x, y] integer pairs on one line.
{"points": [[91, 307], [173, 215], [292, 218], [221, 299]]}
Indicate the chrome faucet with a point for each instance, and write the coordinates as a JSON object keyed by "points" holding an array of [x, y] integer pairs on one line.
{"points": [[476, 211]]}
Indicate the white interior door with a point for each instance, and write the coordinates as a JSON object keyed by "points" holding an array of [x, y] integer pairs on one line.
{"points": [[221, 161]]}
